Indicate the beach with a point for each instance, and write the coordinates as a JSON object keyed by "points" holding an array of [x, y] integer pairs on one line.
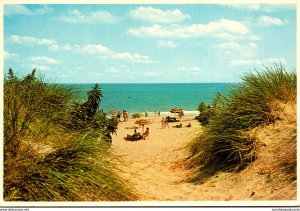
{"points": [[155, 166], [151, 164]]}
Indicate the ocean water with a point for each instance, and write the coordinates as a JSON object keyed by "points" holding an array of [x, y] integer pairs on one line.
{"points": [[154, 97]]}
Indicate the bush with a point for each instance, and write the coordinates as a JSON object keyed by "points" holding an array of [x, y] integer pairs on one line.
{"points": [[137, 115], [44, 159], [208, 111], [225, 144]]}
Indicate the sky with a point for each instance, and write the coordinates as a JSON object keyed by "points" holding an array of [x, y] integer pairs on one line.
{"points": [[158, 43]]}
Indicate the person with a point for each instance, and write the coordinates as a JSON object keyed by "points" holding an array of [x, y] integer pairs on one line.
{"points": [[119, 116], [179, 126], [146, 134], [163, 123], [166, 122], [158, 113], [146, 114], [189, 125], [125, 115], [136, 135]]}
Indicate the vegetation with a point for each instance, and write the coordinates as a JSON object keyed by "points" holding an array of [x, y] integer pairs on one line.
{"points": [[208, 111], [137, 115], [227, 144], [54, 148]]}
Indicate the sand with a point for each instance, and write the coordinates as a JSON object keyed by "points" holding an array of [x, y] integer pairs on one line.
{"points": [[149, 163], [154, 167]]}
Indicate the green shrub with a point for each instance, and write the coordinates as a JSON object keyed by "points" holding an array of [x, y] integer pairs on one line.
{"points": [[206, 112], [225, 144], [137, 115], [73, 163]]}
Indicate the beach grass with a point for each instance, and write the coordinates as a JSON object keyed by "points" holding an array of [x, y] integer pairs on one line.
{"points": [[47, 160], [226, 143]]}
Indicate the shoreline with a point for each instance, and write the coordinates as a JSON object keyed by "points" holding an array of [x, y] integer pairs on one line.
{"points": [[154, 114]]}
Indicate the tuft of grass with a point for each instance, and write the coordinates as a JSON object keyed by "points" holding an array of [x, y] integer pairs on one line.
{"points": [[44, 158], [226, 144]]}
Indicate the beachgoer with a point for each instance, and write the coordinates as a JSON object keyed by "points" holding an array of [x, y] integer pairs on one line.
{"points": [[158, 113], [125, 115], [166, 122], [119, 116], [189, 125], [146, 114], [146, 134], [163, 123], [179, 126], [136, 135]]}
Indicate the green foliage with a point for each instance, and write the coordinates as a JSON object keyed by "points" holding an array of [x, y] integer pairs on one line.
{"points": [[225, 144], [84, 113], [207, 111], [44, 159], [137, 115]]}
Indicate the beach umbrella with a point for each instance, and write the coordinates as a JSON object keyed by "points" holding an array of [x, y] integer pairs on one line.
{"points": [[176, 110], [113, 112], [142, 122]]}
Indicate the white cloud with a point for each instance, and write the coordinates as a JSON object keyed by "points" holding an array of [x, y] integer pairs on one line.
{"points": [[153, 15], [269, 21], [233, 49], [242, 62], [8, 55], [113, 71], [249, 7], [166, 44], [39, 67], [28, 40], [268, 8], [43, 10], [194, 70], [96, 49], [18, 9], [75, 16], [152, 73], [228, 36], [210, 29], [43, 60]]}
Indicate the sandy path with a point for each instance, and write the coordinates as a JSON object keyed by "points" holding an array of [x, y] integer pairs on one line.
{"points": [[149, 164]]}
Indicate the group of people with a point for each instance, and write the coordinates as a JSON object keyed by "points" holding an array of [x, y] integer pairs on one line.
{"points": [[180, 125], [138, 136], [125, 116]]}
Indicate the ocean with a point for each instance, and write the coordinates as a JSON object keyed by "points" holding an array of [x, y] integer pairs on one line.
{"points": [[154, 97]]}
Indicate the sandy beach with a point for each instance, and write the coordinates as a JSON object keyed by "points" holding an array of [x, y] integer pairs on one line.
{"points": [[154, 166], [151, 164]]}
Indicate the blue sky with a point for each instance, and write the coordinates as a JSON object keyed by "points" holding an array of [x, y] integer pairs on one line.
{"points": [[148, 43]]}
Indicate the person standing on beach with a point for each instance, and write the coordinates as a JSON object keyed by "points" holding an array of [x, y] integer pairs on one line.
{"points": [[166, 122], [158, 113], [125, 115], [163, 123]]}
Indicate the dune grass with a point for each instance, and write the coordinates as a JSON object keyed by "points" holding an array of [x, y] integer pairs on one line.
{"points": [[226, 144], [47, 160]]}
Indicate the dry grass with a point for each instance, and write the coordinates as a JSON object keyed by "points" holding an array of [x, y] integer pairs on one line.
{"points": [[226, 144], [71, 166]]}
